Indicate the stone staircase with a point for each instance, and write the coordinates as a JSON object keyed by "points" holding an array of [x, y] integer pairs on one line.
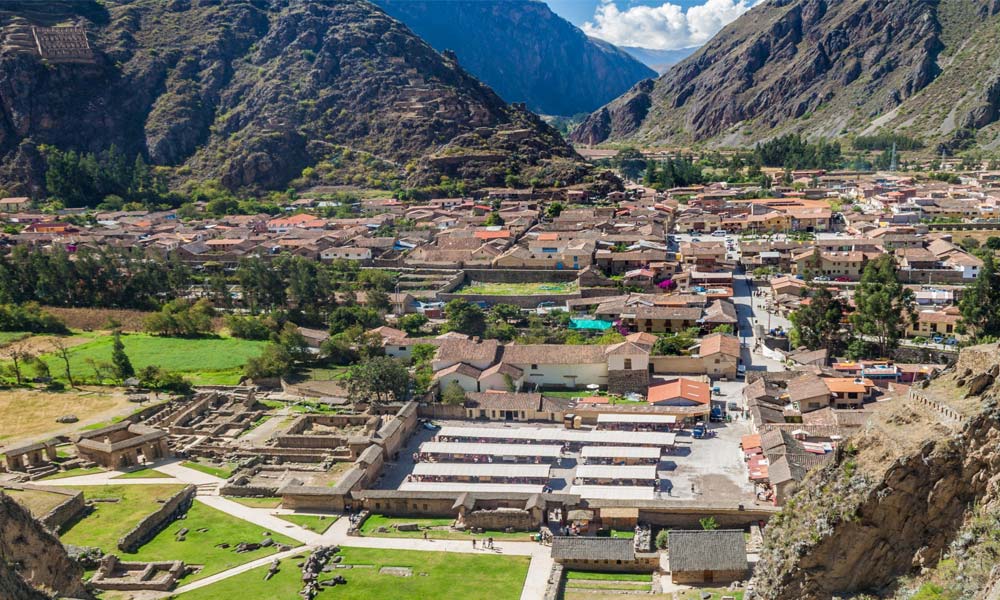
{"points": [[207, 489]]}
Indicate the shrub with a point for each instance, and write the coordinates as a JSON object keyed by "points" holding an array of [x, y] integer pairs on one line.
{"points": [[662, 539]]}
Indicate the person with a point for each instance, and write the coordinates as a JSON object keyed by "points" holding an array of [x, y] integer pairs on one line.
{"points": [[490, 542], [473, 543]]}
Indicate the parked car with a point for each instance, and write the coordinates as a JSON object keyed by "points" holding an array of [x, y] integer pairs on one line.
{"points": [[821, 278], [719, 233], [741, 370], [842, 279]]}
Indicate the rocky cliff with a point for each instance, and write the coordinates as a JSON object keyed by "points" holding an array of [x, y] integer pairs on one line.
{"points": [[253, 92], [33, 564], [911, 505], [524, 51], [824, 68]]}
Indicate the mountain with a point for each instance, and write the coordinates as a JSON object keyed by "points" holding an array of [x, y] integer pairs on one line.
{"points": [[658, 60], [524, 51], [907, 509], [927, 69], [254, 92]]}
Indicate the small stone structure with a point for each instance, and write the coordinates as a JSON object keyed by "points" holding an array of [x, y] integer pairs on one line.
{"points": [[63, 44], [120, 445], [71, 506], [113, 574], [31, 459]]}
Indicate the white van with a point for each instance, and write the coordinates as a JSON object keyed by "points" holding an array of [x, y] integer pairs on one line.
{"points": [[720, 233]]}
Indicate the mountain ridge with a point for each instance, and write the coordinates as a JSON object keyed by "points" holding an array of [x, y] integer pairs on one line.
{"points": [[825, 68], [524, 51], [259, 94]]}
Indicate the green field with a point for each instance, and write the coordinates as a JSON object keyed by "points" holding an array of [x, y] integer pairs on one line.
{"points": [[216, 471], [205, 361], [201, 548], [8, 337], [518, 289], [144, 474], [256, 502], [436, 529], [437, 575], [112, 520], [605, 576], [316, 523]]}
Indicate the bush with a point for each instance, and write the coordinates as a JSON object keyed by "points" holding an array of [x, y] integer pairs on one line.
{"points": [[663, 539], [249, 328], [31, 318], [181, 318]]}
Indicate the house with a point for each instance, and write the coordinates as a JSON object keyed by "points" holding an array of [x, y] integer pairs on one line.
{"points": [[10, 205], [931, 323], [714, 556], [849, 392], [648, 318], [680, 392], [510, 406], [720, 353], [808, 391], [603, 554]]}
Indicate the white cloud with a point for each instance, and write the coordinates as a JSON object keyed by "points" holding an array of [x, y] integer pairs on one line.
{"points": [[663, 27]]}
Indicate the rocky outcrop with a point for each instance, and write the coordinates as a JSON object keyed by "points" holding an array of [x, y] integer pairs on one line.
{"points": [[895, 502], [823, 68], [33, 564], [524, 51], [253, 93]]}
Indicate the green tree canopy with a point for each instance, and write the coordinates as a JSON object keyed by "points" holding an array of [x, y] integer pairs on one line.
{"points": [[883, 306]]}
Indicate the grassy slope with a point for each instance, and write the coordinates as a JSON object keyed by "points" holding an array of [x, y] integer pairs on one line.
{"points": [[316, 523]]}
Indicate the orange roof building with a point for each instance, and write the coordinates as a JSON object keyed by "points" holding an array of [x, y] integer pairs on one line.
{"points": [[680, 392]]}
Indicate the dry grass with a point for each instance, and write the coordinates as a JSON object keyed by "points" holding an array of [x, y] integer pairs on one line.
{"points": [[96, 319], [38, 502], [32, 414], [41, 344]]}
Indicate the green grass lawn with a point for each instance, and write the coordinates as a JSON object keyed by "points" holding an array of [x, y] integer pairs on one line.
{"points": [[111, 520], [221, 472], [449, 576], [637, 586], [206, 361], [605, 576], [316, 523], [144, 474], [716, 593], [256, 502], [518, 289], [375, 521], [74, 473], [9, 337], [200, 548]]}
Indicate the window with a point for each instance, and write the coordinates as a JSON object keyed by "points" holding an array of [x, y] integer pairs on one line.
{"points": [[534, 367], [628, 364]]}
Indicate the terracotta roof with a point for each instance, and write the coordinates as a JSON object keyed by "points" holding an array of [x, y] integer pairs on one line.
{"points": [[717, 343], [687, 389]]}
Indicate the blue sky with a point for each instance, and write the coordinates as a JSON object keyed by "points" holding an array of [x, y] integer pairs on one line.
{"points": [[658, 24]]}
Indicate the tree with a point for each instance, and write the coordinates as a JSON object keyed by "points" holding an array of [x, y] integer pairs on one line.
{"points": [[378, 300], [274, 361], [724, 328], [506, 313], [818, 324], [61, 350], [453, 394], [554, 210], [980, 305], [883, 306], [465, 317], [19, 357], [378, 381], [412, 323], [122, 365], [708, 523]]}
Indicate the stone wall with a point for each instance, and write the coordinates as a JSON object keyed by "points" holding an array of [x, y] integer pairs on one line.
{"points": [[71, 508], [699, 576], [500, 520], [911, 354], [248, 491], [625, 382], [518, 301], [556, 583], [522, 275], [436, 410], [168, 512]]}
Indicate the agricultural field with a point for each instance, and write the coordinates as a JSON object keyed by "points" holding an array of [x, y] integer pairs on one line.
{"points": [[437, 575], [205, 361], [518, 289], [33, 413]]}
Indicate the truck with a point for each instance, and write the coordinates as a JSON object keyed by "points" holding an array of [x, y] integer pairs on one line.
{"points": [[699, 430]]}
